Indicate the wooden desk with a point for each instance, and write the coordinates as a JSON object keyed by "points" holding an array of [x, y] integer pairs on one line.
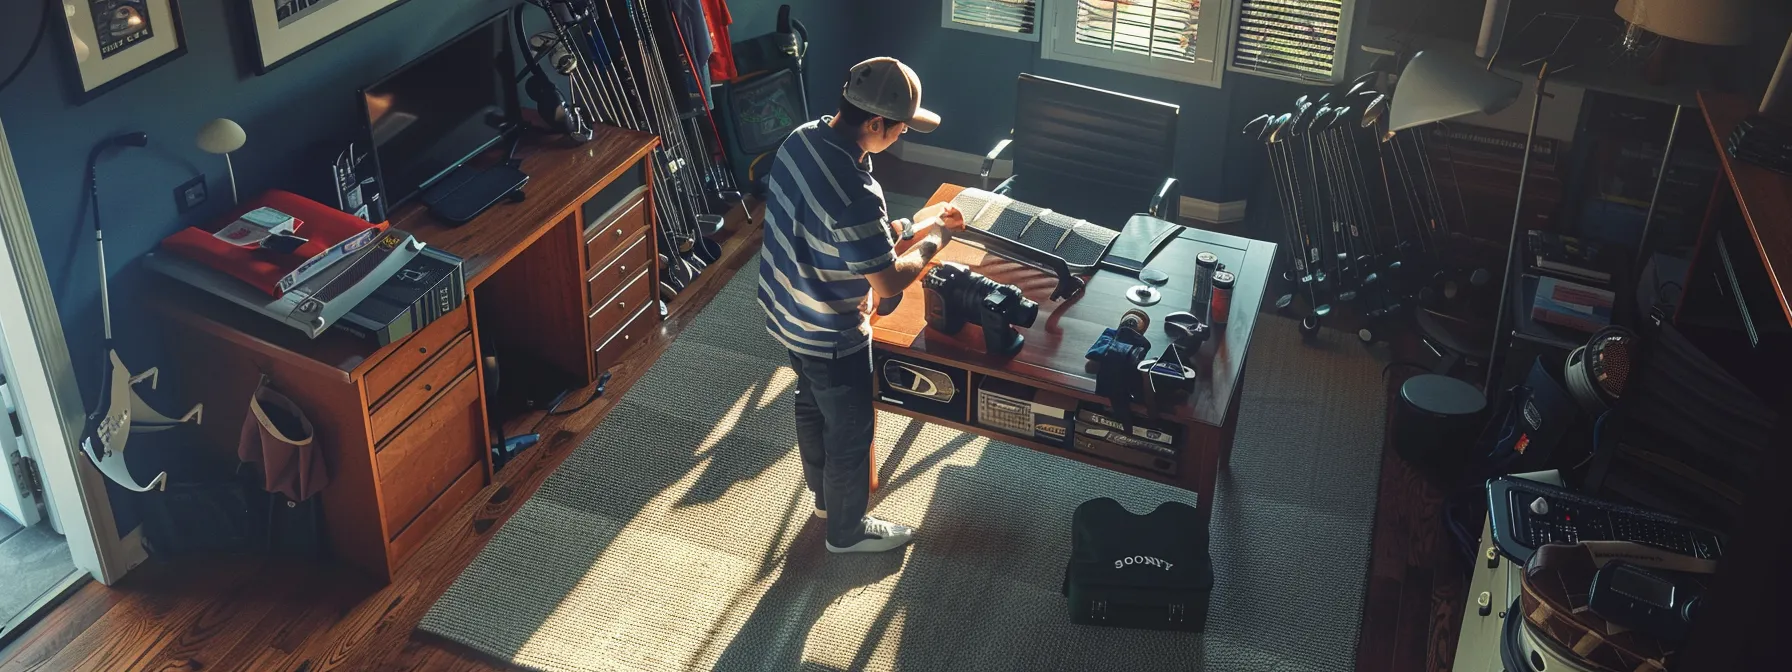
{"points": [[565, 277], [1053, 357], [1763, 198]]}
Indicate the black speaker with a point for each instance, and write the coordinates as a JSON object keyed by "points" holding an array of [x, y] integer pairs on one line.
{"points": [[1436, 419]]}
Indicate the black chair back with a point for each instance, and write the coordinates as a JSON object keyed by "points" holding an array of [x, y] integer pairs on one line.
{"points": [[1089, 152]]}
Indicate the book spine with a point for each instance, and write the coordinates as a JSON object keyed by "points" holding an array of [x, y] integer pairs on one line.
{"points": [[336, 253]]}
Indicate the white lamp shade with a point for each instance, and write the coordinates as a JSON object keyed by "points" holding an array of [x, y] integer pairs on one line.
{"points": [[1438, 87], [1715, 22], [221, 136]]}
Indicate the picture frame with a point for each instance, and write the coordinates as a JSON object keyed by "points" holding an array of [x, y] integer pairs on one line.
{"points": [[113, 41], [282, 30]]}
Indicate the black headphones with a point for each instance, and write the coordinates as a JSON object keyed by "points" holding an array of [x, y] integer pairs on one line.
{"points": [[559, 115]]}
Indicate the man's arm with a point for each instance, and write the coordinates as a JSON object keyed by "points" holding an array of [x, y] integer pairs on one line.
{"points": [[910, 263]]}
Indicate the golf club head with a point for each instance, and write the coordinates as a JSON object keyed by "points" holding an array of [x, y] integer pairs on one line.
{"points": [[1372, 279], [1322, 309], [1257, 126], [1307, 123], [1272, 132], [709, 225], [1324, 119], [1365, 79], [1283, 302], [1299, 120], [1301, 101], [1374, 109], [1354, 88], [1347, 296], [1323, 97], [1342, 116]]}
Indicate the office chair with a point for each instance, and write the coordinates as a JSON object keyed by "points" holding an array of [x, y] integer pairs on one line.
{"points": [[1090, 153]]}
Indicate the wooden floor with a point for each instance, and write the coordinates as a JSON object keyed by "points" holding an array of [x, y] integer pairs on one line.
{"points": [[258, 614]]}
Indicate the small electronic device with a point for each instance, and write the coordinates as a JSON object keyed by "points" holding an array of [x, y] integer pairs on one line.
{"points": [[956, 295], [436, 112], [466, 192], [921, 386], [1025, 411], [1643, 600], [1526, 515]]}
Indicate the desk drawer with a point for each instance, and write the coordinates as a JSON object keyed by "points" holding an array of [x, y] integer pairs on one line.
{"points": [[615, 226], [410, 354], [419, 389], [614, 311], [637, 330], [430, 452], [633, 259]]}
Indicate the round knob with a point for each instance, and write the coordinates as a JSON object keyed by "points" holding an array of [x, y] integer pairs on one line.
{"points": [[1540, 506], [625, 338], [618, 233], [1493, 557], [427, 387], [622, 270], [1484, 603], [423, 350]]}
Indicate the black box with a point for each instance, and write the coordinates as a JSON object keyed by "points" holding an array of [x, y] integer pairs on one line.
{"points": [[1025, 411], [1150, 571], [430, 286], [925, 387]]}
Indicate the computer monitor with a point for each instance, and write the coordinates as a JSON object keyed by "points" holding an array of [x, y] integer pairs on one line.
{"points": [[445, 107]]}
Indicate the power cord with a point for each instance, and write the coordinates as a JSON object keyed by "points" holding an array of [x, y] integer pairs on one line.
{"points": [[43, 28]]}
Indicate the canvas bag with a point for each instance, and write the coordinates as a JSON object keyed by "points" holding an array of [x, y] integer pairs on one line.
{"points": [[1148, 571]]}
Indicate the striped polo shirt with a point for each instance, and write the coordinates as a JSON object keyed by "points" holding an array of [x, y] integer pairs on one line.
{"points": [[825, 230]]}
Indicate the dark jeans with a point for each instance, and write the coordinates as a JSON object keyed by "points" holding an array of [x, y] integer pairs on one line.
{"points": [[834, 426]]}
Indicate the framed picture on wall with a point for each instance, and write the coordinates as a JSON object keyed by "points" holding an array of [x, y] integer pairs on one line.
{"points": [[284, 29], [115, 40]]}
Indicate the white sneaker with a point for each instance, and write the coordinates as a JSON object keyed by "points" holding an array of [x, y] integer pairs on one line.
{"points": [[881, 536], [820, 512]]}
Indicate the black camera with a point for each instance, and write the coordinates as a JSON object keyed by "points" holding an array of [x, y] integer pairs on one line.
{"points": [[956, 295]]}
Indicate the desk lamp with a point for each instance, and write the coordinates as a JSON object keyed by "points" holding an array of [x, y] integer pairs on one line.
{"points": [[1439, 87], [223, 136]]}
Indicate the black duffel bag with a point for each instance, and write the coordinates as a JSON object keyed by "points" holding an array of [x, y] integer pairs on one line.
{"points": [[1138, 571]]}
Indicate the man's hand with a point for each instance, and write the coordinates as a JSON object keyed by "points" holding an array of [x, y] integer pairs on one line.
{"points": [[952, 218]]}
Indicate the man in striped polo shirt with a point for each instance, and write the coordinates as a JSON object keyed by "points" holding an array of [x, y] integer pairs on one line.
{"points": [[830, 251]]}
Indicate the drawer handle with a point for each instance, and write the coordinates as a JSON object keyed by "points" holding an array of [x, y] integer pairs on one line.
{"points": [[619, 232], [625, 338], [621, 305], [424, 350], [622, 270], [427, 387]]}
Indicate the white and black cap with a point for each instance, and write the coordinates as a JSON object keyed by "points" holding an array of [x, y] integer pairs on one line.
{"points": [[885, 87]]}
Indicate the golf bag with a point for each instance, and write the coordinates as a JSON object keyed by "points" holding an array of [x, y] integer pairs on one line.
{"points": [[1148, 571]]}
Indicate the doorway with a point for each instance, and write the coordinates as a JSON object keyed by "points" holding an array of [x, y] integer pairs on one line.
{"points": [[34, 554]]}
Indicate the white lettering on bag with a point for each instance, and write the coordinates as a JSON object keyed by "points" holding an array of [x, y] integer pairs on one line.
{"points": [[1143, 560]]}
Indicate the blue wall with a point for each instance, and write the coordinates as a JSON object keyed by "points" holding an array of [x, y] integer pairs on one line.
{"points": [[308, 100]]}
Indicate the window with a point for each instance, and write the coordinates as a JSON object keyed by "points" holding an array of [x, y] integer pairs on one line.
{"points": [[1174, 39], [1295, 40], [1009, 18]]}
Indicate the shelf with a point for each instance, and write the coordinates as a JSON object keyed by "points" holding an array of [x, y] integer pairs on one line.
{"points": [[1085, 458]]}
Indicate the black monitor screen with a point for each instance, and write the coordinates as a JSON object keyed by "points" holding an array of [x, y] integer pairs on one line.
{"points": [[441, 109]]}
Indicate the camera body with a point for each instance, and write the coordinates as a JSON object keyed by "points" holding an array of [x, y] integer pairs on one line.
{"points": [[957, 295]]}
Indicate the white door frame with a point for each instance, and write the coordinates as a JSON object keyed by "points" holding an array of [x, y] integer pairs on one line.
{"points": [[49, 403]]}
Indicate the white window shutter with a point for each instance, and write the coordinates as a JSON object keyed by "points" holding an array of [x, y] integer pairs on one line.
{"points": [[1009, 18], [1294, 40]]}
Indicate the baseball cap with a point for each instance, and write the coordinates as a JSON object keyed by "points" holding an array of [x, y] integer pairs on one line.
{"points": [[885, 87]]}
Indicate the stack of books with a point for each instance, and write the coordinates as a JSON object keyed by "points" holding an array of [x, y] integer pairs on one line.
{"points": [[1570, 304], [312, 267]]}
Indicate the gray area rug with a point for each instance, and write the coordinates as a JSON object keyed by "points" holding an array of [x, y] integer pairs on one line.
{"points": [[679, 536]]}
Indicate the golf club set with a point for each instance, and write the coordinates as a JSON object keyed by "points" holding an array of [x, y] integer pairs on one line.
{"points": [[628, 66], [1364, 217]]}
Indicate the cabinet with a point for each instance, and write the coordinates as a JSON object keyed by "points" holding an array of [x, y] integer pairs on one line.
{"points": [[407, 428]]}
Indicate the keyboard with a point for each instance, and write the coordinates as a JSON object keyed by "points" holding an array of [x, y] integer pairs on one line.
{"points": [[1526, 515]]}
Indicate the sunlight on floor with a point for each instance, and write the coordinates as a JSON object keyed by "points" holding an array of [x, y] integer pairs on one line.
{"points": [[691, 564]]}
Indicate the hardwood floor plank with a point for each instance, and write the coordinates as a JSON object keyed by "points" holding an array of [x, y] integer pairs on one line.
{"points": [[62, 625]]}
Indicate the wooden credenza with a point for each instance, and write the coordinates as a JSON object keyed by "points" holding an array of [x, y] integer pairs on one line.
{"points": [[565, 279]]}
